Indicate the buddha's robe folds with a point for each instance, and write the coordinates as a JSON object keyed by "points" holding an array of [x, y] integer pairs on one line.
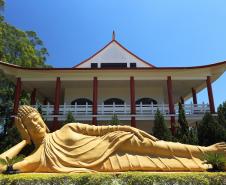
{"points": [[114, 151]]}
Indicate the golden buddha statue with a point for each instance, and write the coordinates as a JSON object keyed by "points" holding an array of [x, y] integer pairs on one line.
{"points": [[80, 147]]}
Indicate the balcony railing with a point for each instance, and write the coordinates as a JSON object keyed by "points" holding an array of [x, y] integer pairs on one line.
{"points": [[85, 111]]}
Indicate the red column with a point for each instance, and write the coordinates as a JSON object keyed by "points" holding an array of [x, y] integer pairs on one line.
{"points": [[17, 95], [95, 87], [171, 104], [210, 94], [33, 97], [132, 101], [57, 103], [45, 101], [194, 96]]}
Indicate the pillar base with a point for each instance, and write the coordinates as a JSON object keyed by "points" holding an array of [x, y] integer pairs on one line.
{"points": [[133, 122], [55, 124], [94, 121]]}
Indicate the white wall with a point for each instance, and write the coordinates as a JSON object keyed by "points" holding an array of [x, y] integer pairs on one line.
{"points": [[122, 92], [113, 54]]}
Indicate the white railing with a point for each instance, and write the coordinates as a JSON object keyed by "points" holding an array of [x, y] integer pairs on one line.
{"points": [[141, 109]]}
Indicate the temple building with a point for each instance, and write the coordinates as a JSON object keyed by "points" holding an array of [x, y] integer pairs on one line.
{"points": [[115, 81]]}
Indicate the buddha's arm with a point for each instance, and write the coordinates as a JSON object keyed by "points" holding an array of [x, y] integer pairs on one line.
{"points": [[12, 152], [102, 130], [30, 163], [178, 149]]}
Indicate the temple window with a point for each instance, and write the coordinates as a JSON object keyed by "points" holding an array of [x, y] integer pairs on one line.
{"points": [[113, 65], [133, 65], [82, 101], [110, 101], [94, 65], [146, 101]]}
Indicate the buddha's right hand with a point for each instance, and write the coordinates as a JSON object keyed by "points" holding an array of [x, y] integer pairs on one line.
{"points": [[135, 131], [23, 131]]}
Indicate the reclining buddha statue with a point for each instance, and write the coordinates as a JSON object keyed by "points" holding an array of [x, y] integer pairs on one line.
{"points": [[80, 147]]}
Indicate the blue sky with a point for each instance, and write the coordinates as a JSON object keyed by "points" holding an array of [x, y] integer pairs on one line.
{"points": [[162, 32]]}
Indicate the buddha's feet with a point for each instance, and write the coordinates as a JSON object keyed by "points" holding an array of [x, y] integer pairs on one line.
{"points": [[217, 148]]}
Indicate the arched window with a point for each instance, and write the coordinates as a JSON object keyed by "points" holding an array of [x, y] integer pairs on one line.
{"points": [[146, 101], [82, 101], [110, 101]]}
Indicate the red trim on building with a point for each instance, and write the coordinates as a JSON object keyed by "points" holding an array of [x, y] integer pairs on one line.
{"points": [[57, 103], [171, 104], [194, 96], [95, 95], [210, 94], [107, 69], [114, 41], [132, 101], [17, 95], [33, 97]]}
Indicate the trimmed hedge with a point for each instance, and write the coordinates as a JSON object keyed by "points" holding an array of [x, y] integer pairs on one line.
{"points": [[131, 178]]}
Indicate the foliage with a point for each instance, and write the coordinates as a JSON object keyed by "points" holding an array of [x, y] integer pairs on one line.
{"points": [[160, 129], [221, 114], [131, 178], [114, 120], [2, 3], [11, 138], [23, 48], [217, 160], [70, 118], [184, 128], [185, 134], [10, 161], [210, 131]]}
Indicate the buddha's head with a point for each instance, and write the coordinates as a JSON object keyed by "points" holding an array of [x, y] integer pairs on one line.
{"points": [[30, 119]]}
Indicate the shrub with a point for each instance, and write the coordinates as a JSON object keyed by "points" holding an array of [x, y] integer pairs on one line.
{"points": [[217, 160], [131, 178], [114, 120], [70, 118], [10, 161]]}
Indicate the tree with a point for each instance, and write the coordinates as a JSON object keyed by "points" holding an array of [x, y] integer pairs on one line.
{"points": [[160, 129], [221, 114], [210, 131], [184, 128], [185, 134], [70, 118], [23, 48]]}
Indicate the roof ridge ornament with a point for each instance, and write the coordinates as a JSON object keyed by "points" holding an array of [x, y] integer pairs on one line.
{"points": [[113, 35]]}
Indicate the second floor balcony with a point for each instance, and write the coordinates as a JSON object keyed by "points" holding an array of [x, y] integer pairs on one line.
{"points": [[105, 112]]}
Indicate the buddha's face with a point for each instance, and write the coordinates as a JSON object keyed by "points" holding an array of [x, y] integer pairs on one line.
{"points": [[35, 125]]}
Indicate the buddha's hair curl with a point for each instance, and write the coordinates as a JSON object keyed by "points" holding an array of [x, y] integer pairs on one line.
{"points": [[24, 111]]}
